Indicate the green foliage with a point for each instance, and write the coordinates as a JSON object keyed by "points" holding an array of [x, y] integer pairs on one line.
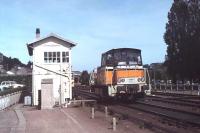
{"points": [[182, 37], [84, 78], [9, 63]]}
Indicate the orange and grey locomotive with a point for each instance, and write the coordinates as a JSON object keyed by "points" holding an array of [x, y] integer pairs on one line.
{"points": [[121, 74]]}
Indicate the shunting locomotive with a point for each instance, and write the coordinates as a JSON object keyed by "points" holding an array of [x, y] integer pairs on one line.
{"points": [[121, 74]]}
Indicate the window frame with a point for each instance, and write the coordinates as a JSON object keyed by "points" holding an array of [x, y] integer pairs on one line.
{"points": [[52, 57], [65, 56]]}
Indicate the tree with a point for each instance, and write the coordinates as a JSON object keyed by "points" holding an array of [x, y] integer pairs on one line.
{"points": [[9, 63], [29, 64], [182, 37], [84, 78]]}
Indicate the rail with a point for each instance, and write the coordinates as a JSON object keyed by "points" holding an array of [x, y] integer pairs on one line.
{"points": [[173, 101], [86, 94], [180, 116]]}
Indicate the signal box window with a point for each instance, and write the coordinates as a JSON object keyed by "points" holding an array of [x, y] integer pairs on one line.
{"points": [[65, 57], [52, 57]]}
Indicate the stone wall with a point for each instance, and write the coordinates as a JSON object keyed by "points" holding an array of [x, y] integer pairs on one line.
{"points": [[9, 99]]}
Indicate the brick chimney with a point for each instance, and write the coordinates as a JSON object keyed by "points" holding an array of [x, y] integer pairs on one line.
{"points": [[37, 33]]}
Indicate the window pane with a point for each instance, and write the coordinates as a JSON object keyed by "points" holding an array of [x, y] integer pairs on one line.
{"points": [[58, 60], [45, 57], [58, 54], [54, 60], [63, 60], [50, 60], [123, 57], [63, 54], [54, 54], [45, 54], [45, 60], [50, 54], [58, 57]]}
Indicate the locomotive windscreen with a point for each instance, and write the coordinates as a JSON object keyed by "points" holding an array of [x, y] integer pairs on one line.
{"points": [[123, 56]]}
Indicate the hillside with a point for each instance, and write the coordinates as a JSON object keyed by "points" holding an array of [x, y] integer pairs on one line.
{"points": [[9, 63]]}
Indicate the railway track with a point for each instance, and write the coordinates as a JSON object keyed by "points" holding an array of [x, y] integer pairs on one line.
{"points": [[156, 123], [168, 112], [179, 98], [174, 95], [141, 119], [154, 117], [179, 118], [86, 94], [184, 103]]}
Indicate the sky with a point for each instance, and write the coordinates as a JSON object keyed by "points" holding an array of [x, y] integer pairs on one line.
{"points": [[95, 25]]}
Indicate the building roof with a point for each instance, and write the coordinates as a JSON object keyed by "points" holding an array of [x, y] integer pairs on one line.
{"points": [[76, 72], [122, 49], [66, 42]]}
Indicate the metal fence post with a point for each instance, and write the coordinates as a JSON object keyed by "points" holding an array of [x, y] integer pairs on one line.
{"points": [[192, 86], [83, 104], [92, 113], [176, 86], [155, 86], [106, 111], [171, 86], [114, 124], [160, 87]]}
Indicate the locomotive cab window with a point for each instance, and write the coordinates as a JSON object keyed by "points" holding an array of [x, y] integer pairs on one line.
{"points": [[121, 57], [109, 59], [134, 58]]}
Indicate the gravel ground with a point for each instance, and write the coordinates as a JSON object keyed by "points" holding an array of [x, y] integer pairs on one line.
{"points": [[21, 119]]}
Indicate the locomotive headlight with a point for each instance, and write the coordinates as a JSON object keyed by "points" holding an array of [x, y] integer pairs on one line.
{"points": [[121, 80], [140, 79]]}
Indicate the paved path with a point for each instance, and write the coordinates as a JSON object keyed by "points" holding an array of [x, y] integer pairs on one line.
{"points": [[8, 121], [21, 126], [66, 120]]}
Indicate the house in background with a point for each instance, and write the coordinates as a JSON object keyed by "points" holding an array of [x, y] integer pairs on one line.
{"points": [[76, 76], [51, 57]]}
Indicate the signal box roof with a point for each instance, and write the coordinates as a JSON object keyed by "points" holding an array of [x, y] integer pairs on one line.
{"points": [[52, 36]]}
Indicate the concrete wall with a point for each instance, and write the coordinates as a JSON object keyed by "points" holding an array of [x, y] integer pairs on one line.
{"points": [[9, 99]]}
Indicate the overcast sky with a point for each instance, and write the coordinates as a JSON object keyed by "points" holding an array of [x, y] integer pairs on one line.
{"points": [[96, 25]]}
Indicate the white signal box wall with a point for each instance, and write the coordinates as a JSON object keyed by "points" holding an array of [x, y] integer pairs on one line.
{"points": [[51, 58]]}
